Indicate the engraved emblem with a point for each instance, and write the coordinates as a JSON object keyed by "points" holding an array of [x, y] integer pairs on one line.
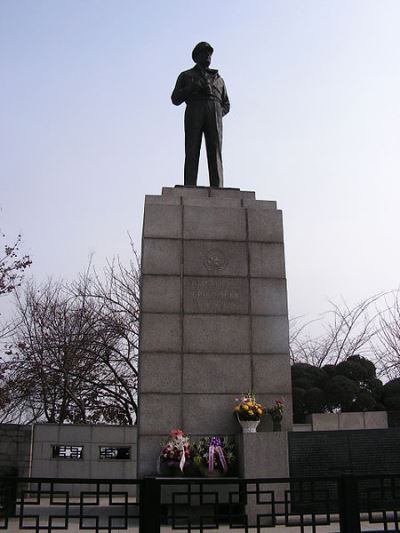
{"points": [[215, 260]]}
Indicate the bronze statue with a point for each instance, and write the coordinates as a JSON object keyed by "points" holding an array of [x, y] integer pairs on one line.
{"points": [[207, 102]]}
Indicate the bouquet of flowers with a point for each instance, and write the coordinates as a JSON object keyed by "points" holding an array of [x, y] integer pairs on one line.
{"points": [[248, 408], [276, 411], [176, 450], [214, 455]]}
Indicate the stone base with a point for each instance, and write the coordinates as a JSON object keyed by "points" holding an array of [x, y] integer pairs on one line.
{"points": [[213, 314], [264, 455]]}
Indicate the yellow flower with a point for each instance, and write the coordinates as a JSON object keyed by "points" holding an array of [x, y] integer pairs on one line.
{"points": [[246, 407], [251, 412], [259, 411]]}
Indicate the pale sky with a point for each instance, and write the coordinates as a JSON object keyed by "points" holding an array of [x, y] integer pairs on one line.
{"points": [[87, 128]]}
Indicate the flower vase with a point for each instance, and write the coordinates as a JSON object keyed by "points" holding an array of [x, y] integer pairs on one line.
{"points": [[249, 426], [277, 424]]}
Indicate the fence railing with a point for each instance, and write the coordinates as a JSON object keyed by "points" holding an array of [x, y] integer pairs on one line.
{"points": [[347, 504]]}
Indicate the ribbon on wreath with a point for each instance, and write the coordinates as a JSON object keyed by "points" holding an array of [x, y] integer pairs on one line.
{"points": [[215, 447], [177, 434], [183, 456]]}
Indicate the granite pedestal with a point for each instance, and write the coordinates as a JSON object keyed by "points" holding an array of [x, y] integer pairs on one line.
{"points": [[213, 314]]}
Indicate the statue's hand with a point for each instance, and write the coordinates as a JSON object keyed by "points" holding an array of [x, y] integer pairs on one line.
{"points": [[196, 85]]}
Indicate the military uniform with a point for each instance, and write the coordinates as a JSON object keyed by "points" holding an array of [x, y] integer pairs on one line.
{"points": [[207, 102]]}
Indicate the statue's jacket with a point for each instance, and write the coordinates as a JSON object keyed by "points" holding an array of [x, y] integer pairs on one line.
{"points": [[183, 91]]}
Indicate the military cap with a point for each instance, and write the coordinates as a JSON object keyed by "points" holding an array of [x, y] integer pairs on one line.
{"points": [[199, 47]]}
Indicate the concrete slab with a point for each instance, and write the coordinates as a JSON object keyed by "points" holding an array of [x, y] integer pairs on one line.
{"points": [[154, 378], [232, 193], [325, 421], [265, 225], [156, 199], [270, 334], [160, 332], [259, 204], [266, 260], [351, 421], [375, 420], [161, 256], [202, 414], [163, 221], [161, 294], [219, 223], [159, 413], [216, 334], [216, 373], [268, 296], [272, 373]]}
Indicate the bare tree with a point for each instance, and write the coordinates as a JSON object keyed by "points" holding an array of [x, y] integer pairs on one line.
{"points": [[387, 342], [73, 357], [346, 331], [12, 265]]}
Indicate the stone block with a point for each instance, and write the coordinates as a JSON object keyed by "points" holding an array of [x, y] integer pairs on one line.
{"points": [[232, 193], [163, 221], [272, 373], [268, 296], [259, 204], [218, 223], [159, 413], [265, 225], [161, 256], [325, 421], [102, 434], [216, 334], [351, 420], [74, 434], [46, 432], [267, 260], [160, 332], [69, 468], [212, 202], [210, 258], [302, 427], [162, 200], [215, 295], [161, 294], [181, 191], [45, 468], [375, 420], [216, 373], [210, 414], [149, 448], [107, 469], [270, 334], [256, 451], [160, 372]]}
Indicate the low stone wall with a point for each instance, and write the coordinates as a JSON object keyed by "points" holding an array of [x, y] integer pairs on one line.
{"points": [[15, 445], [341, 421], [90, 438]]}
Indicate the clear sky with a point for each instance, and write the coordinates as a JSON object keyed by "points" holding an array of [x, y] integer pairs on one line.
{"points": [[87, 128]]}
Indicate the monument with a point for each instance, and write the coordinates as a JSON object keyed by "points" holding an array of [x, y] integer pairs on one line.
{"points": [[214, 321], [207, 102]]}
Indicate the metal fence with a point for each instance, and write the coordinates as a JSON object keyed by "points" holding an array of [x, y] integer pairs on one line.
{"points": [[346, 504]]}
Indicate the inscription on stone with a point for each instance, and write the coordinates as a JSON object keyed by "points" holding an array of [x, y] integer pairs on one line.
{"points": [[216, 295]]}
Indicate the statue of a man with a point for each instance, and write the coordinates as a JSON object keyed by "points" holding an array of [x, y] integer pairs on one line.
{"points": [[207, 102]]}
